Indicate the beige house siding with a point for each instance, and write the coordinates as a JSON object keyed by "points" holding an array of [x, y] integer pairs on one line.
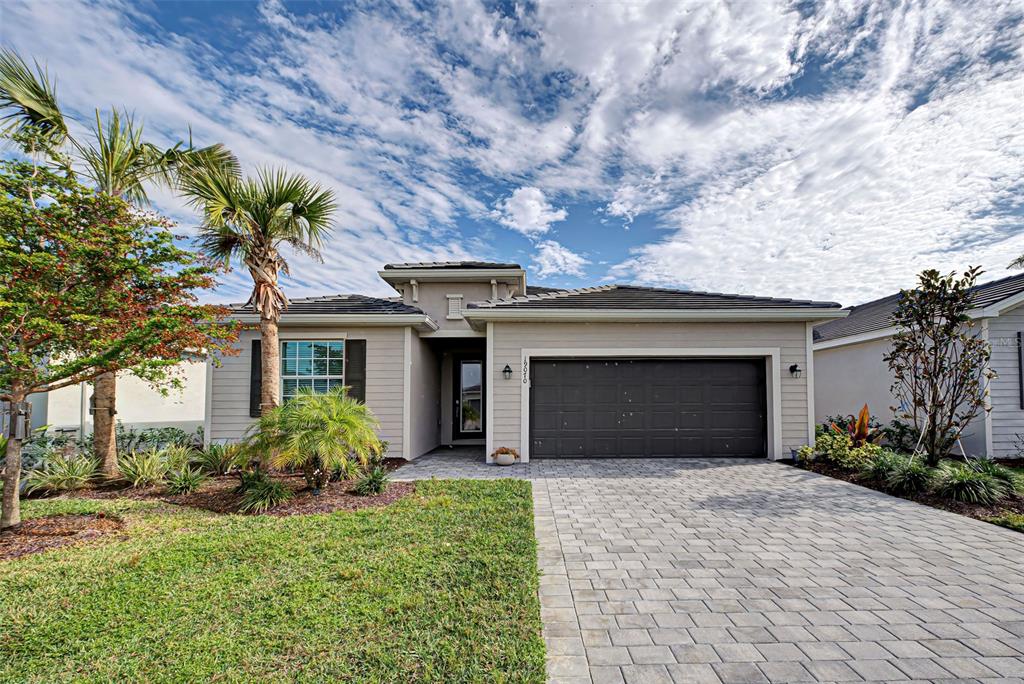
{"points": [[385, 364], [432, 299], [425, 399], [510, 339], [1007, 416]]}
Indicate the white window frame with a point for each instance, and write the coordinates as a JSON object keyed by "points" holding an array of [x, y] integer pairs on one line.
{"points": [[457, 300], [311, 339]]}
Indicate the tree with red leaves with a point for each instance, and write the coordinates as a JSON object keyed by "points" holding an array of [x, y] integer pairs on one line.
{"points": [[89, 285]]}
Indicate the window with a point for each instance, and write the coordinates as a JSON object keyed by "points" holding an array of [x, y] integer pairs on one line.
{"points": [[454, 306], [318, 364]]}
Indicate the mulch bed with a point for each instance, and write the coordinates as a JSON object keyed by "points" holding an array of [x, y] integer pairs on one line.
{"points": [[1012, 504], [42, 534], [219, 496]]}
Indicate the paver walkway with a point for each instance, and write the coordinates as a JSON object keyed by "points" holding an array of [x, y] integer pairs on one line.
{"points": [[748, 571]]}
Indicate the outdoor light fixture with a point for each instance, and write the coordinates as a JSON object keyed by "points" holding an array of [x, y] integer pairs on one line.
{"points": [[507, 372], [795, 370]]}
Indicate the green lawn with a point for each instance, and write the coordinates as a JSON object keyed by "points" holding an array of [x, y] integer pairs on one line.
{"points": [[441, 586]]}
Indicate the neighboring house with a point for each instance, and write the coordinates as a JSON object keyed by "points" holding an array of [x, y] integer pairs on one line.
{"points": [[139, 406], [849, 370], [467, 353]]}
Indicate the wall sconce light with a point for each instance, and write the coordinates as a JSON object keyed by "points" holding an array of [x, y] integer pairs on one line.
{"points": [[506, 372], [795, 370]]}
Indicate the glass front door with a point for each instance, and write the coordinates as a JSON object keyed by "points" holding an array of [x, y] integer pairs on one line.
{"points": [[469, 399]]}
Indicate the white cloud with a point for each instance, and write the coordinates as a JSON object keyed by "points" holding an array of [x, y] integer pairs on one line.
{"points": [[552, 259], [528, 211], [829, 151]]}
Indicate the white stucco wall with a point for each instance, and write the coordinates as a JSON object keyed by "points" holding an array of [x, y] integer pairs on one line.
{"points": [[139, 405], [789, 338], [847, 377]]}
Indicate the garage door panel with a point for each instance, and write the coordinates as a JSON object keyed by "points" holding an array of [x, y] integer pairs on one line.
{"points": [[648, 407]]}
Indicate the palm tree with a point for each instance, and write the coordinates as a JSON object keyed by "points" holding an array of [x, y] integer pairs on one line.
{"points": [[250, 219], [118, 162]]}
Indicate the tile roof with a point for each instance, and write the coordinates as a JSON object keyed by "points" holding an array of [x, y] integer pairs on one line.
{"points": [[450, 264], [635, 297], [877, 314], [340, 304], [541, 289]]}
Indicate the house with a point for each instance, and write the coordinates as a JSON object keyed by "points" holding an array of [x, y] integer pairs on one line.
{"points": [[849, 370], [139, 405], [467, 353]]}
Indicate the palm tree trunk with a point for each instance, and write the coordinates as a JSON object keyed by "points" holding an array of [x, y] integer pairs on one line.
{"points": [[10, 510], [271, 365], [104, 438]]}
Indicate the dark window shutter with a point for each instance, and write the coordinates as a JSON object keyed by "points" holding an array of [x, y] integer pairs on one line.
{"points": [[255, 378], [355, 368]]}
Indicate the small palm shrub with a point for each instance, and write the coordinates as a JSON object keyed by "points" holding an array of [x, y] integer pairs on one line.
{"points": [[318, 433], [260, 493], [372, 483], [910, 476], [220, 459], [60, 473], [143, 468], [186, 480], [879, 468], [962, 482]]}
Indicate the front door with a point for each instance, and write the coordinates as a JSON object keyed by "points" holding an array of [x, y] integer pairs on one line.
{"points": [[468, 391]]}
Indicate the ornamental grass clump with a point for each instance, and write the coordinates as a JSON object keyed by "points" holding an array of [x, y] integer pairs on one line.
{"points": [[185, 481], [61, 473], [319, 434], [910, 477], [963, 482], [143, 468]]}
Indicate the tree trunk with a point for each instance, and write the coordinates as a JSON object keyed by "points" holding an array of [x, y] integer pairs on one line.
{"points": [[10, 512], [104, 437], [271, 363]]}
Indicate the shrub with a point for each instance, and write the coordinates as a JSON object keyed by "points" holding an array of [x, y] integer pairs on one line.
{"points": [[186, 480], [317, 433], [901, 436], [374, 482], [910, 476], [880, 467], [143, 468], [61, 473], [349, 470], [962, 482], [177, 456], [999, 472], [260, 493], [220, 459], [832, 447]]}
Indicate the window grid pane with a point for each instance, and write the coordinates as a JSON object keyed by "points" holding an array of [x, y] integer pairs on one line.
{"points": [[319, 365]]}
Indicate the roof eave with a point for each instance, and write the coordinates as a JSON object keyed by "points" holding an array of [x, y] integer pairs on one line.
{"points": [[421, 322], [483, 314]]}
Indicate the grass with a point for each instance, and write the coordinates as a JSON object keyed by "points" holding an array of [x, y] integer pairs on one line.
{"points": [[438, 587], [1015, 521]]}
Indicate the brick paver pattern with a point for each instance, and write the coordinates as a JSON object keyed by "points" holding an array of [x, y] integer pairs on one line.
{"points": [[681, 570]]}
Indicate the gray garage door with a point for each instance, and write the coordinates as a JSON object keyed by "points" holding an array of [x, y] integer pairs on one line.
{"points": [[647, 407]]}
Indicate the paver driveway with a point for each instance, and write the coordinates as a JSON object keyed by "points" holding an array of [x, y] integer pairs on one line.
{"points": [[748, 571]]}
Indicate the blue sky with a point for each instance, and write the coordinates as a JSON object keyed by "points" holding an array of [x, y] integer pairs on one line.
{"points": [[823, 150]]}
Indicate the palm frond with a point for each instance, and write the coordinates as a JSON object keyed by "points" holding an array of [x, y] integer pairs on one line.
{"points": [[117, 161], [29, 100]]}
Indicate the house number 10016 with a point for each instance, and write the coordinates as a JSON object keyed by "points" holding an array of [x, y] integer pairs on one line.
{"points": [[526, 371]]}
